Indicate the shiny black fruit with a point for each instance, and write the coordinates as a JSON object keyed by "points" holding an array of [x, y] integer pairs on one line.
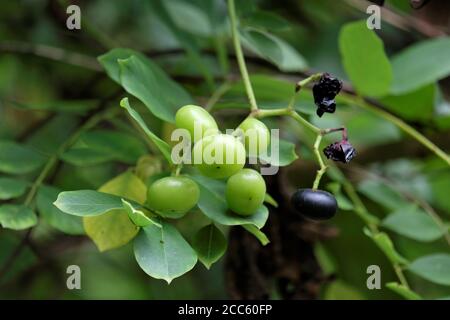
{"points": [[314, 204]]}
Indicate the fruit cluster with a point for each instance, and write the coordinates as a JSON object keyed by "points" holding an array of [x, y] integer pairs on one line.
{"points": [[222, 156], [318, 204]]}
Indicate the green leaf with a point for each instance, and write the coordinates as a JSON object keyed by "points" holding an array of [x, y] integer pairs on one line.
{"points": [[213, 204], [184, 13], [381, 194], [163, 253], [11, 188], [17, 217], [383, 241], [87, 202], [434, 268], [138, 217], [415, 105], [364, 59], [403, 291], [114, 228], [86, 157], [110, 63], [121, 146], [162, 145], [273, 49], [286, 154], [147, 82], [18, 159], [267, 20], [210, 244], [53, 216], [257, 233], [421, 64], [414, 223]]}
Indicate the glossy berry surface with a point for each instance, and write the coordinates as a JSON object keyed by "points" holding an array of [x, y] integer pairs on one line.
{"points": [[219, 156], [324, 93], [256, 136], [195, 119], [314, 204], [245, 192], [173, 196]]}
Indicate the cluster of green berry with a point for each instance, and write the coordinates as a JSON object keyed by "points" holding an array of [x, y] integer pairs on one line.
{"points": [[246, 189]]}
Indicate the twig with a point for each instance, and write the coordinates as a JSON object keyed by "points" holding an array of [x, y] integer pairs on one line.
{"points": [[401, 21], [240, 56], [218, 94], [52, 53]]}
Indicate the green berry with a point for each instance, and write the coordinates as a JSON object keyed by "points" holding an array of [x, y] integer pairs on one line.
{"points": [[256, 136], [194, 118], [219, 156], [173, 196], [245, 192]]}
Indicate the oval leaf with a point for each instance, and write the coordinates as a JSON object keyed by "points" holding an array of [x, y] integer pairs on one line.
{"points": [[18, 159], [147, 82], [434, 268], [421, 64], [114, 228], [12, 188], [364, 59], [163, 253], [210, 244], [273, 49], [17, 217], [87, 202], [414, 223]]}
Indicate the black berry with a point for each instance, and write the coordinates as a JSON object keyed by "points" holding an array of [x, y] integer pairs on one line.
{"points": [[378, 2], [314, 204], [324, 91], [341, 151]]}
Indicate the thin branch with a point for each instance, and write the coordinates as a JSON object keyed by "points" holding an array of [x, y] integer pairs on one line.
{"points": [[401, 21], [240, 56], [52, 53]]}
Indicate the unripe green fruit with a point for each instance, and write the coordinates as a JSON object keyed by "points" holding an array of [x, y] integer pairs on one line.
{"points": [[173, 196], [256, 136], [219, 156], [245, 192], [192, 117]]}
